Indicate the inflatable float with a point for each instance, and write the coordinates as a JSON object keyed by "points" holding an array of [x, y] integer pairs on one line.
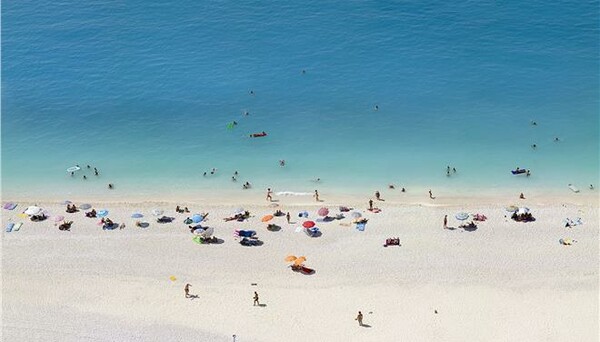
{"points": [[73, 169]]}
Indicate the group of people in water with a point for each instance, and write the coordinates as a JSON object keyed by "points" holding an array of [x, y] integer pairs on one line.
{"points": [[96, 173]]}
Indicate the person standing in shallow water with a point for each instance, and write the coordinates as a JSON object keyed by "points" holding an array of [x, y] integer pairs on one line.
{"points": [[430, 194], [316, 195]]}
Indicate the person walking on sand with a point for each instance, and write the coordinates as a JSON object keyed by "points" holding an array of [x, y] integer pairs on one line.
{"points": [[359, 318], [187, 290], [287, 217], [378, 196], [269, 195], [445, 221], [370, 204], [316, 195], [256, 302], [430, 194]]}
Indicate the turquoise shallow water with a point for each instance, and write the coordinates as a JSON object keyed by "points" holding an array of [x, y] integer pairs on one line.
{"points": [[145, 91]]}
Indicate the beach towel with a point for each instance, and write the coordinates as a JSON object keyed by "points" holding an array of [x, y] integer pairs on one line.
{"points": [[17, 226], [245, 233], [375, 210], [9, 227], [361, 226], [10, 206]]}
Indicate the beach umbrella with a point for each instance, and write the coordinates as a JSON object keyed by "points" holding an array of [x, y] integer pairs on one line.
{"points": [[290, 258], [356, 214], [58, 218], [102, 213], [208, 232], [65, 202], [267, 218], [323, 212], [462, 216], [308, 224], [33, 210], [522, 211], [137, 215], [85, 206], [157, 212], [299, 261], [197, 218]]}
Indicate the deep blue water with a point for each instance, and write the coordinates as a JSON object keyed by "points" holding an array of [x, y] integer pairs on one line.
{"points": [[144, 91]]}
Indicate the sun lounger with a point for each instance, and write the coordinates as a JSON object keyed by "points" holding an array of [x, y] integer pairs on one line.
{"points": [[9, 227]]}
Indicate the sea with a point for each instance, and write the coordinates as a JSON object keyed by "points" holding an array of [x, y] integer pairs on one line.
{"points": [[354, 94]]}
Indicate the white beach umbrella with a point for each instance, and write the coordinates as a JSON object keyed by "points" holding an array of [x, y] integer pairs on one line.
{"points": [[33, 210]]}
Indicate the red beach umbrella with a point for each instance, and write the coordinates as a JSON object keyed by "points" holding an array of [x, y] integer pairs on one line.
{"points": [[308, 224]]}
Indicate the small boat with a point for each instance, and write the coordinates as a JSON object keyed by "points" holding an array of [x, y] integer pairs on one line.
{"points": [[518, 171]]}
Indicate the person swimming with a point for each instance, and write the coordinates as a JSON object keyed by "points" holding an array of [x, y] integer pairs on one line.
{"points": [[282, 162], [258, 135], [110, 186]]}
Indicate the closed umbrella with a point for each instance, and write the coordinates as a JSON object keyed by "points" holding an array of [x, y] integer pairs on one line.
{"points": [[85, 206], [267, 218], [197, 218], [323, 212], [308, 224], [137, 215], [102, 213], [33, 210], [462, 216], [157, 212], [356, 214]]}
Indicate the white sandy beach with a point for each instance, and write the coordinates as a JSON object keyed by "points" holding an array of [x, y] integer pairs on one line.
{"points": [[505, 281]]}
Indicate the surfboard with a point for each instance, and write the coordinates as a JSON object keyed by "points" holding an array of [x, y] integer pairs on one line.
{"points": [[573, 188]]}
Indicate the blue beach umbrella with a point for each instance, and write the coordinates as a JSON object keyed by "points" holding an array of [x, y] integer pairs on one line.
{"points": [[137, 215], [462, 216], [102, 213], [197, 218]]}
